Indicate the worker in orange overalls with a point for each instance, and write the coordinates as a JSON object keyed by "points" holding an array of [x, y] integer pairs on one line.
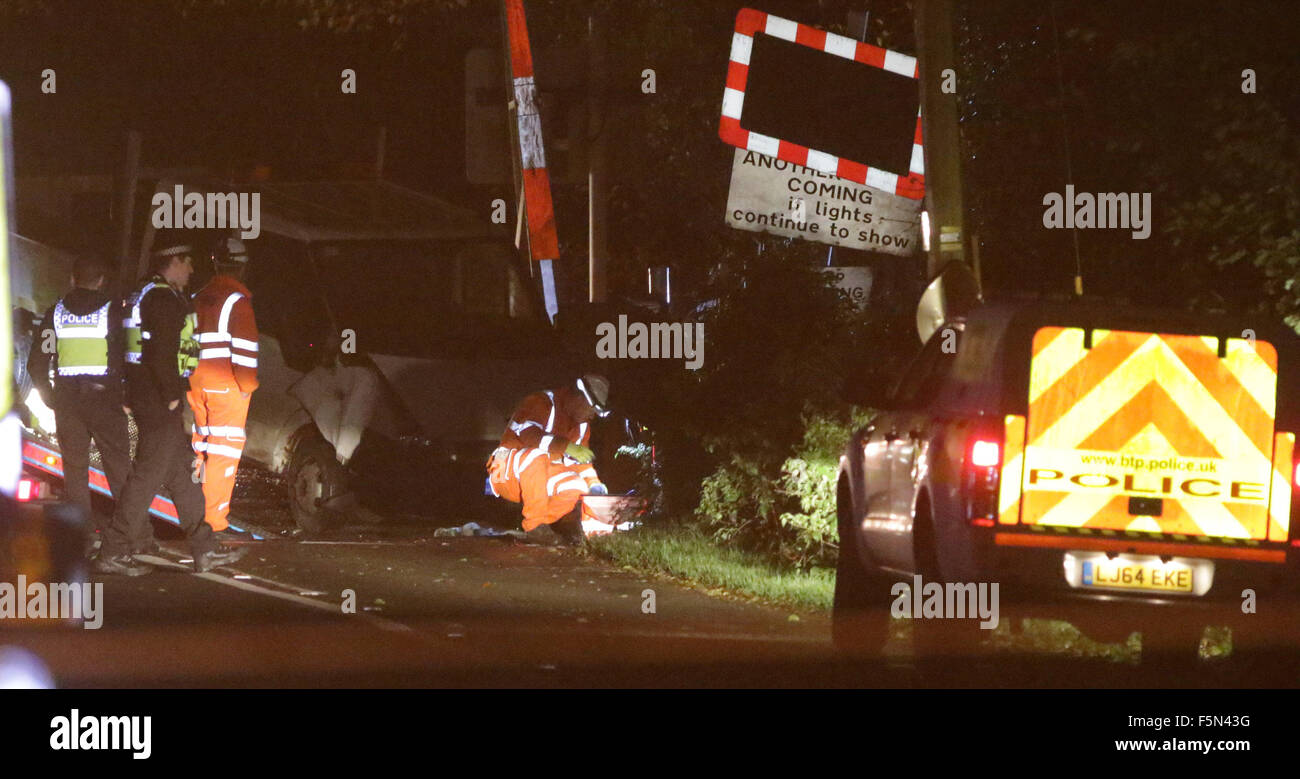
{"points": [[223, 383], [544, 461]]}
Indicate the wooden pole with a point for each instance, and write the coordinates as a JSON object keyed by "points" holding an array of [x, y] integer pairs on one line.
{"points": [[127, 267], [597, 137], [942, 139]]}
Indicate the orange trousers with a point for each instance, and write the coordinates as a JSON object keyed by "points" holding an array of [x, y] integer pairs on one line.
{"points": [[218, 439], [548, 489]]}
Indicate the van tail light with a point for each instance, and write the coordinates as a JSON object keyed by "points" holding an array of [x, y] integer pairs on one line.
{"points": [[982, 470], [985, 454], [30, 489], [1293, 519], [1286, 459]]}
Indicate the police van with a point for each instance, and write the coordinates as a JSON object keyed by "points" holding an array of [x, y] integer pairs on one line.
{"points": [[1128, 470]]}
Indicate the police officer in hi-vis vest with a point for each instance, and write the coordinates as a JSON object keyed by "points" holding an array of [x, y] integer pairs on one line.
{"points": [[161, 353], [76, 366]]}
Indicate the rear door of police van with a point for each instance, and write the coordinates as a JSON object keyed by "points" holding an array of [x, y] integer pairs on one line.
{"points": [[1160, 445]]}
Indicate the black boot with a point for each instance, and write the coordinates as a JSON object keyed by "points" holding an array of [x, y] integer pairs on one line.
{"points": [[569, 528], [93, 542], [122, 565], [542, 535], [149, 547], [222, 555]]}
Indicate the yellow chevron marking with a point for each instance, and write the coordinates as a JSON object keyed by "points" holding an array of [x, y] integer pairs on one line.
{"points": [[1057, 358], [1144, 524], [1243, 462]]}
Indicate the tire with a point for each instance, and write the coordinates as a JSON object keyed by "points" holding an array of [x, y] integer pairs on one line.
{"points": [[860, 614], [314, 477], [22, 379], [938, 641]]}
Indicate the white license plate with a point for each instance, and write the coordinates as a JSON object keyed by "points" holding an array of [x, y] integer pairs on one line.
{"points": [[1140, 573]]}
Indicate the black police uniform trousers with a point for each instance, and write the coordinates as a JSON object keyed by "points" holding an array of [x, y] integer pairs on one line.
{"points": [[164, 461], [84, 410]]}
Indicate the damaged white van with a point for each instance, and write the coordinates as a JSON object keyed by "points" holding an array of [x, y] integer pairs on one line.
{"points": [[397, 333]]}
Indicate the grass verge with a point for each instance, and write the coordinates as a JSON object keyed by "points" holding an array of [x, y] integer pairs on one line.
{"points": [[690, 555]]}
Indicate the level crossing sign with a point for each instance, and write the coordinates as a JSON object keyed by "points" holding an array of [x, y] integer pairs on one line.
{"points": [[824, 101]]}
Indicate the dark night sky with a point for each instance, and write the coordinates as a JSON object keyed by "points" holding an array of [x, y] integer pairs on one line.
{"points": [[232, 90]]}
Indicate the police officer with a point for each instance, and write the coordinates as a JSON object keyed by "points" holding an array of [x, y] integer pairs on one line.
{"points": [[160, 355], [80, 352]]}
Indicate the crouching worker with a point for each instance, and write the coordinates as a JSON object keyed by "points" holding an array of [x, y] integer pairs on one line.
{"points": [[544, 461]]}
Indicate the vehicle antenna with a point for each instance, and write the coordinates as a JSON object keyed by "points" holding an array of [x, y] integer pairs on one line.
{"points": [[1065, 134]]}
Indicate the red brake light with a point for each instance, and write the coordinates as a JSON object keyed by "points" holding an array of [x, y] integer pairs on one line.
{"points": [[1295, 477], [981, 480], [985, 454]]}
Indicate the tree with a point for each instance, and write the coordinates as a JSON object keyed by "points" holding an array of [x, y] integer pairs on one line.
{"points": [[1150, 102]]}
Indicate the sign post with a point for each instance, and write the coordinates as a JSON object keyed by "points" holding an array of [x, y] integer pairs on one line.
{"points": [[543, 243]]}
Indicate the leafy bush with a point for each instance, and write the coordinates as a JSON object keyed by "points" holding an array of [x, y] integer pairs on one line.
{"points": [[810, 477], [739, 501], [785, 508], [746, 446]]}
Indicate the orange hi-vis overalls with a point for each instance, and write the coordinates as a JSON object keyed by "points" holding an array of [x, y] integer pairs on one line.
{"points": [[530, 465], [220, 388]]}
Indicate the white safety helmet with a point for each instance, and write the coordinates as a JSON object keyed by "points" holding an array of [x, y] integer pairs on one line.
{"points": [[235, 251], [229, 257], [595, 388]]}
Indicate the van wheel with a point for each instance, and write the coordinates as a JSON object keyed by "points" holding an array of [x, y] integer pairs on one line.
{"points": [[314, 478], [860, 612], [935, 642]]}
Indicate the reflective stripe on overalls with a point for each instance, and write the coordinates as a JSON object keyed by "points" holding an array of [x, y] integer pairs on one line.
{"points": [[547, 438], [217, 344]]}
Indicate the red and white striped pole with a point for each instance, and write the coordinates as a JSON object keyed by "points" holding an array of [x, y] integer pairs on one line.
{"points": [[543, 243]]}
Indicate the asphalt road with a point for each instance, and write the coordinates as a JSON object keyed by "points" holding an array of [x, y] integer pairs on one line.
{"points": [[430, 611]]}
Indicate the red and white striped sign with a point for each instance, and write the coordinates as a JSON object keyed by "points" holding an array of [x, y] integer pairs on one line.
{"points": [[543, 242], [750, 22]]}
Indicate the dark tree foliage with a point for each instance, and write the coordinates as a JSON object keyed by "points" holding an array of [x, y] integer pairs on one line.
{"points": [[1151, 101]]}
